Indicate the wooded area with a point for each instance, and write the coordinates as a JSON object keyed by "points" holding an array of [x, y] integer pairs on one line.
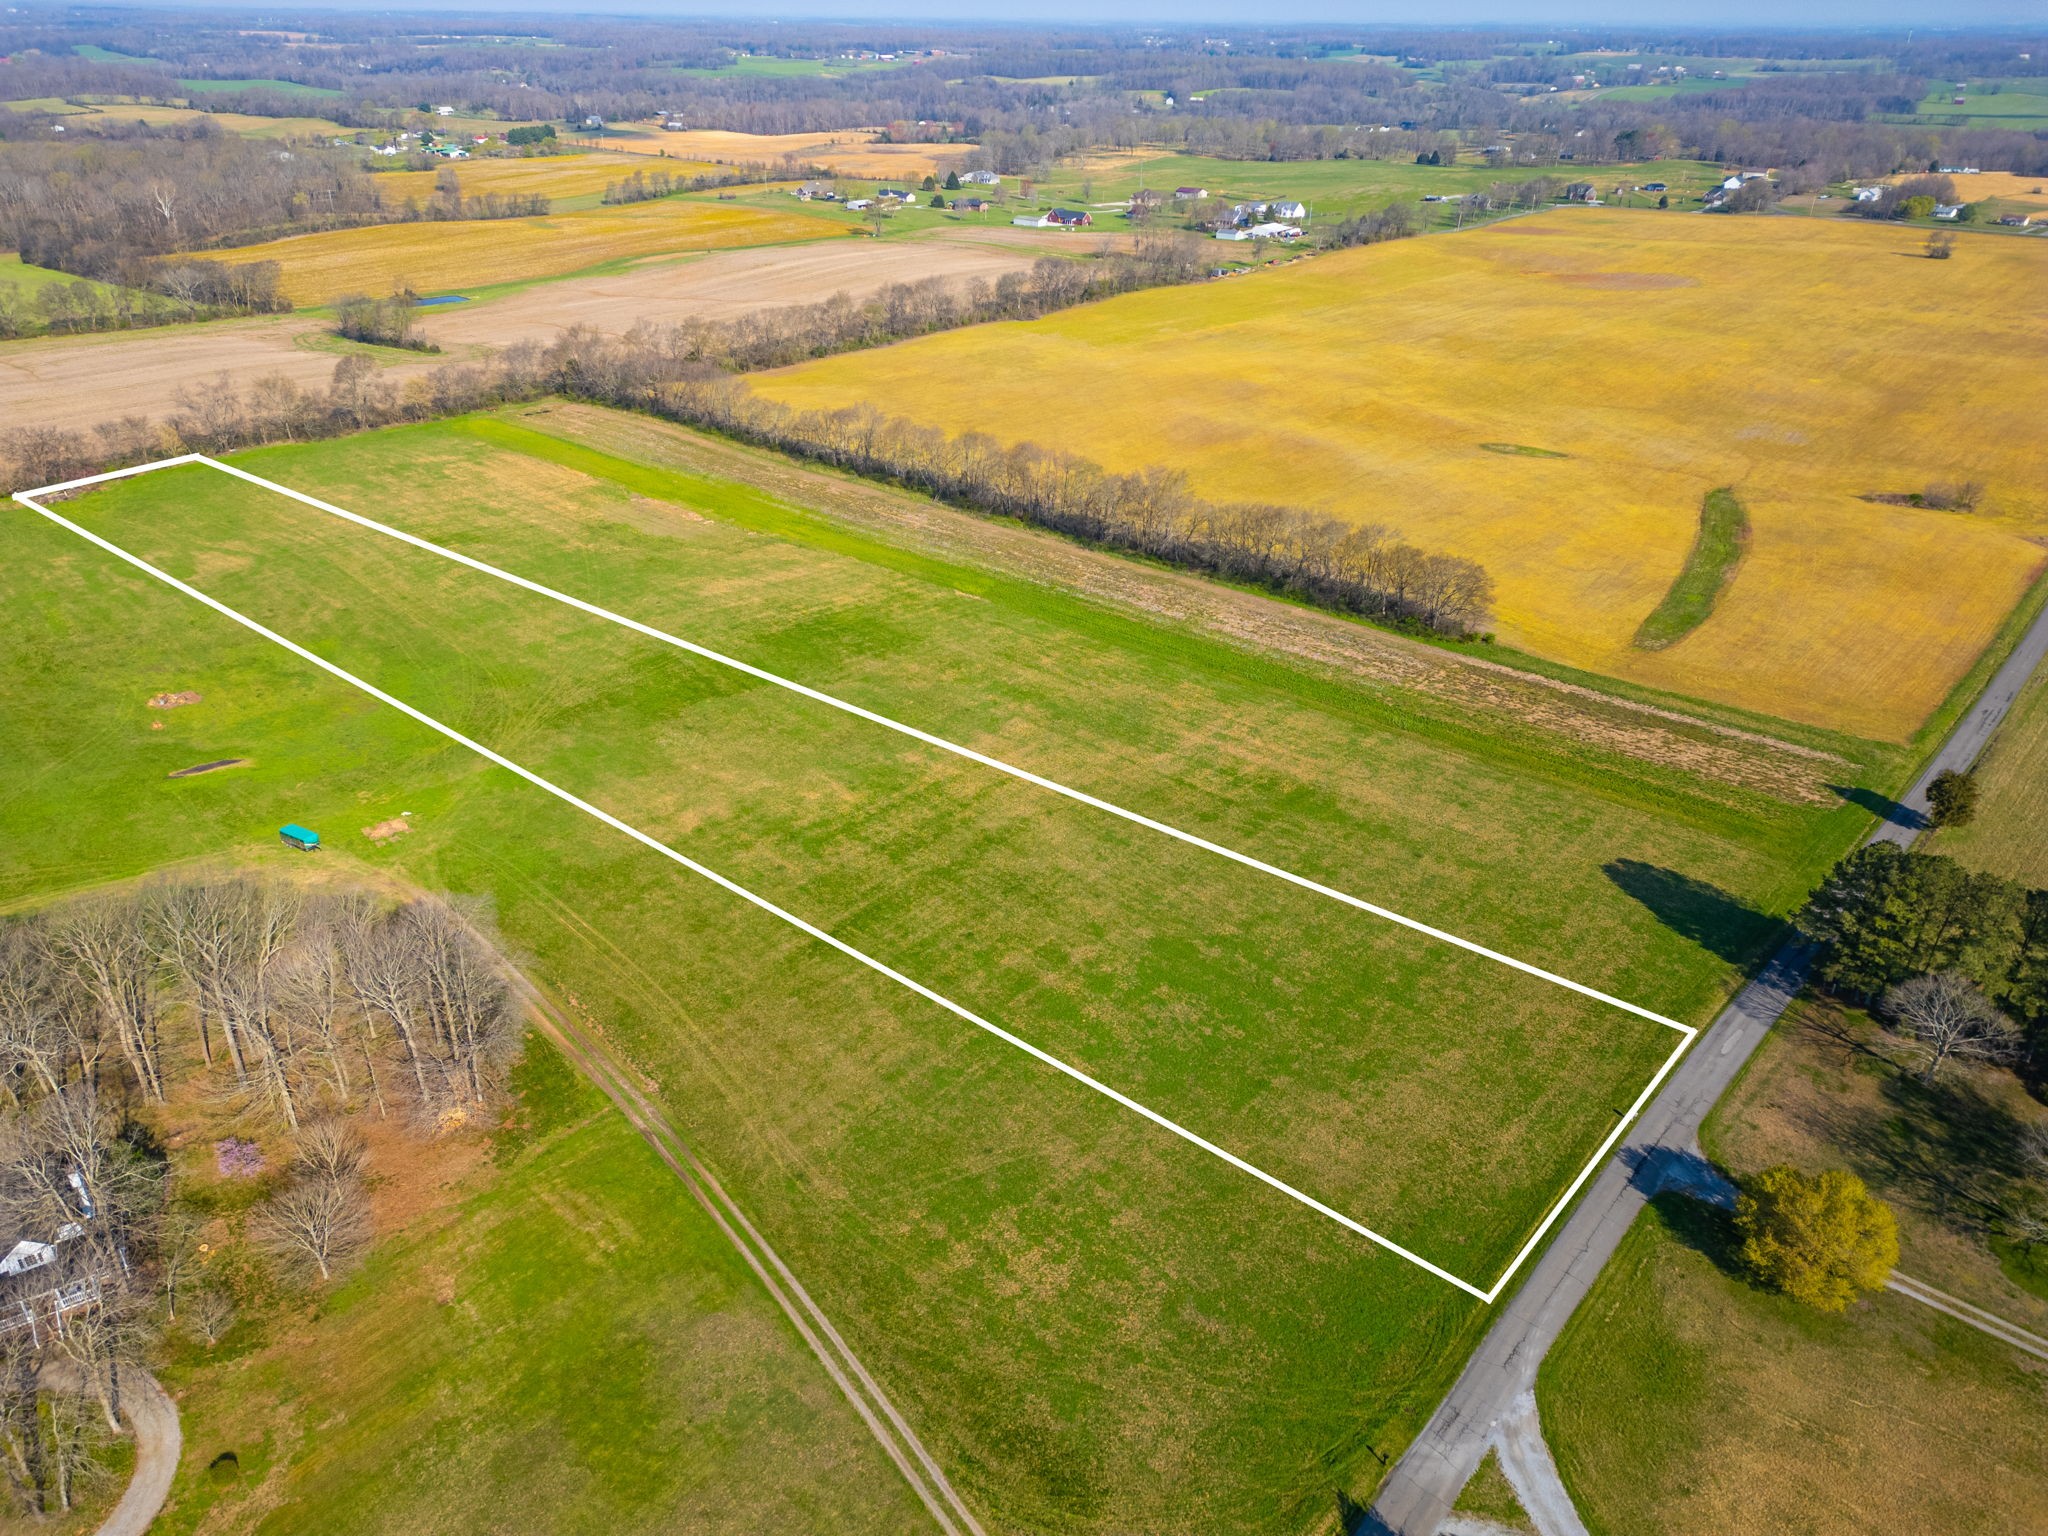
{"points": [[290, 1013]]}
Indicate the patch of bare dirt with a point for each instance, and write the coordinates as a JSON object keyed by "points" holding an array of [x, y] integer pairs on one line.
{"points": [[722, 285], [73, 381], [385, 831], [173, 700]]}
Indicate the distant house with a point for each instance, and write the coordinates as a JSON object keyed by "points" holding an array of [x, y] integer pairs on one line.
{"points": [[856, 204], [1146, 197], [1654, 186], [981, 178], [1581, 192], [1246, 213], [673, 124], [1293, 213], [813, 189], [1948, 210], [444, 111], [594, 122], [1732, 184], [971, 205], [898, 193], [2016, 220], [1869, 194], [1190, 194], [1058, 218]]}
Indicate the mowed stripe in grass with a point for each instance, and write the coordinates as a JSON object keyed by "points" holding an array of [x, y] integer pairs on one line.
{"points": [[1723, 537], [1808, 361], [1095, 1327], [473, 253]]}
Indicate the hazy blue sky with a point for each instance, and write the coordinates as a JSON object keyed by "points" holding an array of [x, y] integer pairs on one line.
{"points": [[1532, 13]]}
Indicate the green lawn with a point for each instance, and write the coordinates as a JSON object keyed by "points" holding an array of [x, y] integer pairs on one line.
{"points": [[1095, 1326], [569, 1346]]}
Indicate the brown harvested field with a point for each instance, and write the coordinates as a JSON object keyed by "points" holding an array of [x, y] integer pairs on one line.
{"points": [[2004, 185], [67, 381], [71, 381], [722, 284], [849, 151]]}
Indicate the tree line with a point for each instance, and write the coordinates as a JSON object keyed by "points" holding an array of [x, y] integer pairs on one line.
{"points": [[297, 1012], [663, 371]]}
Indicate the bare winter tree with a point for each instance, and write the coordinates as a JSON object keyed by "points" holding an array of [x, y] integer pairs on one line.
{"points": [[105, 945], [318, 1221], [1947, 1017], [32, 1035], [328, 1149], [384, 971]]}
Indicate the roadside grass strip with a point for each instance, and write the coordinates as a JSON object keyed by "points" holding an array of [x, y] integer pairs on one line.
{"points": [[1623, 1120]]}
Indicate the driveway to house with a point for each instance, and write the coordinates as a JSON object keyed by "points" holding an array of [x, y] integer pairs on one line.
{"points": [[158, 1442], [1417, 1496]]}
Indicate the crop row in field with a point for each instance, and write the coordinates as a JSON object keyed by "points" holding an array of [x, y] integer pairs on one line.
{"points": [[1085, 1318], [1807, 364]]}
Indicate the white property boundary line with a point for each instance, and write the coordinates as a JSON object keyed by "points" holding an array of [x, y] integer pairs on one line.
{"points": [[1686, 1032]]}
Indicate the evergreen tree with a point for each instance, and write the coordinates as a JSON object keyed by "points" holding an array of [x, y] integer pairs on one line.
{"points": [[1885, 914], [1952, 799]]}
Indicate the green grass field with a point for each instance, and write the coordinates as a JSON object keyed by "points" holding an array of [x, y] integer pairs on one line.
{"points": [[563, 1344], [1681, 1401], [1087, 1320], [2010, 834], [1723, 536], [1329, 188]]}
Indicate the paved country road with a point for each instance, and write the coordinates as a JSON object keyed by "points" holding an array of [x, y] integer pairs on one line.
{"points": [[1418, 1494]]}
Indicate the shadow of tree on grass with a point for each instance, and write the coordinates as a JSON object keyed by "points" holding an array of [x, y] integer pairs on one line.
{"points": [[1697, 910]]}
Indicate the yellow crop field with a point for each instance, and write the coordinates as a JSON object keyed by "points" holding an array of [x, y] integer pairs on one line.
{"points": [[472, 253], [228, 122], [1805, 363], [2002, 185], [560, 176]]}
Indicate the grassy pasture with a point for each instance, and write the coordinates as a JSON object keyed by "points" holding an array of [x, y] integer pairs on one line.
{"points": [[1330, 188], [1682, 1399], [1801, 362], [1084, 1318], [474, 253], [2010, 835], [451, 1371]]}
